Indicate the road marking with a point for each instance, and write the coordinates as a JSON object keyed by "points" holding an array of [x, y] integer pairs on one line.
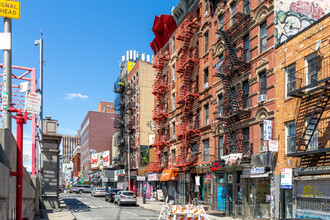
{"points": [[130, 213]]}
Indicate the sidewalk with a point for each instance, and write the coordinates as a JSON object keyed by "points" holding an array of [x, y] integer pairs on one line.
{"points": [[62, 213], [157, 207]]}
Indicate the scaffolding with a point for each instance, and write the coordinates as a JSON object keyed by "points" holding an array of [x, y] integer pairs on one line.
{"points": [[235, 63]]}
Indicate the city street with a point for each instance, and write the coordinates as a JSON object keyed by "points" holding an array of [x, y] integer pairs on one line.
{"points": [[84, 206]]}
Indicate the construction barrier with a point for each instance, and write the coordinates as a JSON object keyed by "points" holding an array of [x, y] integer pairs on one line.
{"points": [[182, 212]]}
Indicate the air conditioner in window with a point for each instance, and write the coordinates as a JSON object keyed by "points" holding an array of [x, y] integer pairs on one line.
{"points": [[262, 149], [206, 13], [262, 98]]}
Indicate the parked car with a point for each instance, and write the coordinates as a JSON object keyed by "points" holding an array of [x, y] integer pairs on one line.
{"points": [[110, 196], [99, 192], [82, 189], [125, 197]]}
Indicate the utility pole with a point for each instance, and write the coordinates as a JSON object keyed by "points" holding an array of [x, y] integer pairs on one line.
{"points": [[129, 164], [41, 69], [7, 71]]}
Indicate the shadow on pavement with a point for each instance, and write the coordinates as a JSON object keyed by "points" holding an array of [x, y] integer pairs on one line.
{"points": [[75, 205]]}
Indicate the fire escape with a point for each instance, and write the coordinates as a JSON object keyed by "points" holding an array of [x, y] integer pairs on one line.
{"points": [[231, 67], [160, 113], [311, 85], [188, 95]]}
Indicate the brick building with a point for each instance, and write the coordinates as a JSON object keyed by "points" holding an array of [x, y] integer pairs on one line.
{"points": [[68, 144], [76, 160], [139, 117], [302, 121], [96, 135]]}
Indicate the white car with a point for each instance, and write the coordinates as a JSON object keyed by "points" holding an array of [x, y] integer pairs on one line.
{"points": [[125, 197], [98, 192]]}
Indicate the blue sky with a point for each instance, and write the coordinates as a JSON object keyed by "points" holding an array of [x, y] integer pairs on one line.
{"points": [[83, 43]]}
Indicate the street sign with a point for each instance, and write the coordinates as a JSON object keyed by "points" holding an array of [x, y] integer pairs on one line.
{"points": [[267, 130], [10, 9], [32, 103]]}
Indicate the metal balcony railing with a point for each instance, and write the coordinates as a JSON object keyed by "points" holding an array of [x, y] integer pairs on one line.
{"points": [[309, 77]]}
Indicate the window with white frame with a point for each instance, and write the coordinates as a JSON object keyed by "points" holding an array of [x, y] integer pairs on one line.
{"points": [[206, 42], [290, 137], [311, 63], [173, 101], [173, 72], [263, 83], [220, 106], [173, 130], [206, 78], [206, 112], [220, 144], [311, 124], [206, 149], [290, 79], [263, 37]]}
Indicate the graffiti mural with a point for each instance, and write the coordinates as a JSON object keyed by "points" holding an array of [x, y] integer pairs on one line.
{"points": [[293, 16]]}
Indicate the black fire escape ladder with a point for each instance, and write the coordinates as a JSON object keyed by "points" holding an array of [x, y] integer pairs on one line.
{"points": [[314, 118], [232, 53], [228, 130], [232, 99]]}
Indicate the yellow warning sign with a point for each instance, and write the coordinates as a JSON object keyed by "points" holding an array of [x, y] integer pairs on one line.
{"points": [[10, 9]]}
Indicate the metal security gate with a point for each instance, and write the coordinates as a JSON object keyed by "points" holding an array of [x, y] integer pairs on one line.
{"points": [[183, 180]]}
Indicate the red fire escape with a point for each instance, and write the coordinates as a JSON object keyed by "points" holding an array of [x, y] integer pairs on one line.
{"points": [[235, 63], [188, 93], [160, 113]]}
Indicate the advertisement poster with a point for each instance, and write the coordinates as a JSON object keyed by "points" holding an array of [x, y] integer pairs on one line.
{"points": [[221, 203], [94, 161], [286, 178]]}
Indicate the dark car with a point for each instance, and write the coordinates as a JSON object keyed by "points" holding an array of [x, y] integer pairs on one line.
{"points": [[110, 196]]}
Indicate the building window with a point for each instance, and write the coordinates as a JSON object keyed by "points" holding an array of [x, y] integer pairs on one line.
{"points": [[219, 66], [261, 134], [246, 89], [263, 83], [206, 110], [246, 142], [173, 156], [246, 6], [173, 44], [220, 106], [173, 101], [263, 37], [233, 11], [206, 149], [290, 137], [313, 144], [290, 79], [234, 95], [311, 69], [173, 130], [206, 9], [220, 22], [198, 117], [173, 72], [194, 149], [234, 146], [206, 78], [220, 147], [246, 53], [206, 42]]}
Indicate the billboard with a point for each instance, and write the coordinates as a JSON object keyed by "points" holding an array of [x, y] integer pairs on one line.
{"points": [[100, 160]]}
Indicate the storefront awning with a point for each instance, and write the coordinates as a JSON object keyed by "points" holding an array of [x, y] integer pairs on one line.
{"points": [[169, 175]]}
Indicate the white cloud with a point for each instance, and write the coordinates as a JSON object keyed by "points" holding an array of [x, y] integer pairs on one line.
{"points": [[70, 96]]}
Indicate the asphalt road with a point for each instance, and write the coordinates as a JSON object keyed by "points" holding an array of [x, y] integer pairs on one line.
{"points": [[84, 206]]}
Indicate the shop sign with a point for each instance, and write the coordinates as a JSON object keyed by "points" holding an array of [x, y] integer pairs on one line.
{"points": [[255, 175], [207, 177], [257, 170], [105, 179], [286, 178], [217, 165], [273, 146], [141, 178], [153, 177], [267, 130], [134, 173], [230, 178]]}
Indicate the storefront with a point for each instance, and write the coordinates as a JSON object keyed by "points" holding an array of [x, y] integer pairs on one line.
{"points": [[152, 185], [119, 178], [312, 196], [168, 179]]}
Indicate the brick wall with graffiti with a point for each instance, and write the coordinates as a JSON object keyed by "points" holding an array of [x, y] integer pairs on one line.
{"points": [[293, 16]]}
